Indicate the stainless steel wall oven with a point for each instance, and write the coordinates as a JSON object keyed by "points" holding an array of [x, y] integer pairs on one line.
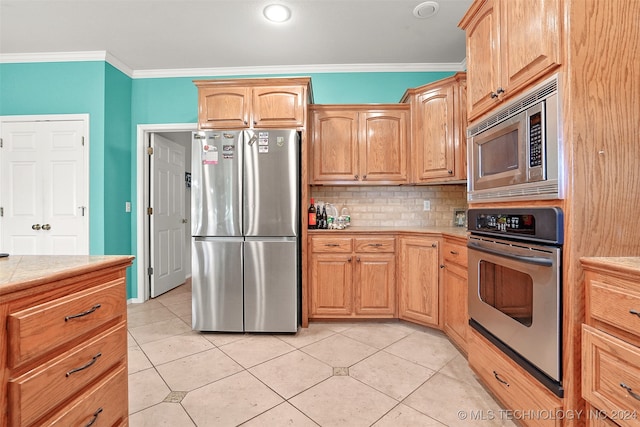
{"points": [[515, 286]]}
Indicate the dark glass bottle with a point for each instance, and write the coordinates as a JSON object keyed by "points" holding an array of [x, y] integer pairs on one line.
{"points": [[312, 214], [324, 217]]}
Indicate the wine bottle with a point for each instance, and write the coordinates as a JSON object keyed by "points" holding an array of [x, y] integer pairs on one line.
{"points": [[313, 224]]}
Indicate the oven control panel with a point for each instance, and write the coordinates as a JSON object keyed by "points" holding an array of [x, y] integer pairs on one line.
{"points": [[538, 224]]}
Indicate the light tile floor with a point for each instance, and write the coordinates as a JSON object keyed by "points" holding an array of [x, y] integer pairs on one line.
{"points": [[330, 374]]}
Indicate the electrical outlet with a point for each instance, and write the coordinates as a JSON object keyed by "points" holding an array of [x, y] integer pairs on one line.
{"points": [[426, 205]]}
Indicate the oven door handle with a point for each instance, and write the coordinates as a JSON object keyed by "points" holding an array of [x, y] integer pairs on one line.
{"points": [[528, 259]]}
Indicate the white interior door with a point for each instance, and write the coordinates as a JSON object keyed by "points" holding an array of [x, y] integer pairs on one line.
{"points": [[168, 222], [44, 188]]}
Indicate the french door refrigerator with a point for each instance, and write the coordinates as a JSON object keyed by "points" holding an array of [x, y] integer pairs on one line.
{"points": [[245, 230]]}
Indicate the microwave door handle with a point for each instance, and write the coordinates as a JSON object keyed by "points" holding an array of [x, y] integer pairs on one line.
{"points": [[528, 259]]}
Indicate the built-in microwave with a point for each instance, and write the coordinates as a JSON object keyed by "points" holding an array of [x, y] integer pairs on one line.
{"points": [[515, 154]]}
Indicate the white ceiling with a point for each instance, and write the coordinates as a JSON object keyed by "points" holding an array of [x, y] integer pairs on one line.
{"points": [[157, 35]]}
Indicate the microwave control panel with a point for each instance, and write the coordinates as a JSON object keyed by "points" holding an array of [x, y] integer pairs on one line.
{"points": [[535, 140]]}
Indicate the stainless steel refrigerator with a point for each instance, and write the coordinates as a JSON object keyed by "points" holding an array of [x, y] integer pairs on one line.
{"points": [[245, 201]]}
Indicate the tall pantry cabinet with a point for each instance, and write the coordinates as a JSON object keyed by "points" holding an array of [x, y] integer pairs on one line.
{"points": [[593, 45]]}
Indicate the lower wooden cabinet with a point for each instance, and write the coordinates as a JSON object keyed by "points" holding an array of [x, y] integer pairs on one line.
{"points": [[511, 384], [63, 359], [419, 294], [611, 341], [352, 276], [455, 289]]}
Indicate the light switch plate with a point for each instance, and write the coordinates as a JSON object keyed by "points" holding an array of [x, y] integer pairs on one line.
{"points": [[427, 205], [127, 206]]}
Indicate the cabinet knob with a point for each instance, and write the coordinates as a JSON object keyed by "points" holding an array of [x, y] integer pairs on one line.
{"points": [[355, 177], [494, 95], [434, 245], [36, 227], [499, 91], [450, 172], [441, 265], [349, 259], [358, 258], [46, 226], [364, 176]]}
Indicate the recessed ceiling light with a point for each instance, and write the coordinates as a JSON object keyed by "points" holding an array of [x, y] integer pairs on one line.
{"points": [[426, 9], [277, 13]]}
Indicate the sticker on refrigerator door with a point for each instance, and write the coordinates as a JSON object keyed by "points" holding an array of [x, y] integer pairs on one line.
{"points": [[210, 155], [228, 151], [263, 149], [279, 141], [263, 141]]}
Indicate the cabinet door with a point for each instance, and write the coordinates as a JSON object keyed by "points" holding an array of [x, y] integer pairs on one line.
{"points": [[278, 106], [419, 295], [383, 146], [456, 319], [375, 284], [335, 146], [331, 285], [525, 58], [434, 143], [483, 65], [225, 107]]}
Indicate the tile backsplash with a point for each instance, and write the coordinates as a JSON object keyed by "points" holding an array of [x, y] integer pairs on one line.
{"points": [[384, 206]]}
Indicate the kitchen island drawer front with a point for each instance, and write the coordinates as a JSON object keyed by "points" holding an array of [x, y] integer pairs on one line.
{"points": [[41, 389], [614, 301], [456, 254], [331, 244], [375, 244], [511, 384], [40, 328], [105, 404], [611, 379]]}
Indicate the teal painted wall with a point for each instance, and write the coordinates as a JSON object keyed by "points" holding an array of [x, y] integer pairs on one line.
{"points": [[65, 88], [117, 104]]}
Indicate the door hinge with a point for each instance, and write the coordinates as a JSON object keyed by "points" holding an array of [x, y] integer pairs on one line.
{"points": [[150, 151], [1, 143], [1, 211], [150, 271], [149, 211], [83, 141]]}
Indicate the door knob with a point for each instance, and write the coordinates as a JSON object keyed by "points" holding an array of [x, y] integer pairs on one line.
{"points": [[36, 227], [184, 220], [46, 226]]}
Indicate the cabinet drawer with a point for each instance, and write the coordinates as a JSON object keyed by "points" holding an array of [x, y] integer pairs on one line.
{"points": [[43, 327], [331, 244], [614, 301], [374, 245], [456, 254], [41, 389], [611, 375], [510, 383], [106, 402]]}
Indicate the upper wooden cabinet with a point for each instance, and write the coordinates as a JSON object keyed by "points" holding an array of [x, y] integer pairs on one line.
{"points": [[510, 45], [257, 103], [438, 128], [359, 144]]}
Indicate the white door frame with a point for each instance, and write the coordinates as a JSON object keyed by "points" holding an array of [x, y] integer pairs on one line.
{"points": [[142, 189], [87, 137]]}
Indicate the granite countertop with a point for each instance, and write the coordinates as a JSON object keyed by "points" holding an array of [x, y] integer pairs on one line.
{"points": [[21, 271], [452, 231], [629, 265]]}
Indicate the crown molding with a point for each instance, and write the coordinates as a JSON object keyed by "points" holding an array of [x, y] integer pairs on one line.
{"points": [[227, 71]]}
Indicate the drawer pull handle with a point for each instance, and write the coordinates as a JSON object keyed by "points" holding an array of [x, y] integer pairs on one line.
{"points": [[454, 252], [495, 374], [332, 245], [375, 245], [84, 313], [636, 312], [630, 391], [95, 418], [91, 362]]}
